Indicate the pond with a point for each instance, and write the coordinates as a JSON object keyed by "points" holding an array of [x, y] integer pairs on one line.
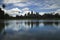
{"points": [[30, 30]]}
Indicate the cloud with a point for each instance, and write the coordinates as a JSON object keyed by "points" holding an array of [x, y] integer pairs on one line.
{"points": [[13, 12], [13, 1], [20, 4], [49, 4], [16, 10], [25, 4], [54, 6], [25, 10], [58, 11], [42, 4], [41, 13], [35, 5]]}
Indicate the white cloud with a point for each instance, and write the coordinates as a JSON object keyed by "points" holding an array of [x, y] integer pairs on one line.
{"points": [[25, 10], [41, 13], [20, 4], [13, 12], [25, 4], [50, 4], [13, 1], [58, 11], [33, 3], [16, 10], [54, 6]]}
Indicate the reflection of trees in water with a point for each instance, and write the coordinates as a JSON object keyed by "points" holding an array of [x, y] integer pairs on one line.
{"points": [[56, 23], [6, 24], [1, 26], [37, 23], [2, 32], [51, 23], [48, 23], [32, 24]]}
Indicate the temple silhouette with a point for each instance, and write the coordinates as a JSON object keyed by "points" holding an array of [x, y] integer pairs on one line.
{"points": [[29, 15]]}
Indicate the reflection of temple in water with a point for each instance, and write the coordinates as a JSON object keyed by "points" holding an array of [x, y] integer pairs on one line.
{"points": [[36, 24], [25, 25]]}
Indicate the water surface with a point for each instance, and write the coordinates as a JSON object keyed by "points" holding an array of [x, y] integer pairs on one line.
{"points": [[31, 30]]}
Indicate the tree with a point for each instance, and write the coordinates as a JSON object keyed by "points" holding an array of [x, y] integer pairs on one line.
{"points": [[57, 15], [6, 16], [28, 14], [3, 5], [1, 14]]}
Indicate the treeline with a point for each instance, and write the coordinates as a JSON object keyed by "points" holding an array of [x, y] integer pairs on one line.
{"points": [[34, 16], [30, 16], [1, 14]]}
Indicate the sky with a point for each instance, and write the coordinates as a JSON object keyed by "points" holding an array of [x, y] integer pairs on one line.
{"points": [[17, 7]]}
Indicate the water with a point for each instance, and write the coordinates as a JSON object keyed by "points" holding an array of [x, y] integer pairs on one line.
{"points": [[30, 30]]}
